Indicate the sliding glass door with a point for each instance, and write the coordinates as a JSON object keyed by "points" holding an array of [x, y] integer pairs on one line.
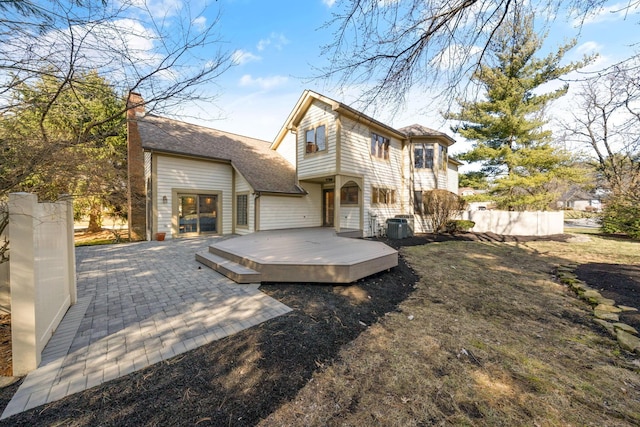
{"points": [[197, 213]]}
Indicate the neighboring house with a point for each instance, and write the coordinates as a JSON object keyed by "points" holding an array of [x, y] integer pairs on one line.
{"points": [[329, 165], [475, 206], [580, 200]]}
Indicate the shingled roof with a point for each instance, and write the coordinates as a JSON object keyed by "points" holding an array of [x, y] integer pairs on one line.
{"points": [[417, 130], [264, 169]]}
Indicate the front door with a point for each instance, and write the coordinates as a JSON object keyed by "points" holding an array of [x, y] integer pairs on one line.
{"points": [[197, 213], [327, 207]]}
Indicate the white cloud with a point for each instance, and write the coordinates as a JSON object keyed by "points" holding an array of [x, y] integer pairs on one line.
{"points": [[329, 3], [588, 48], [277, 40], [454, 56], [264, 83], [614, 12], [200, 22], [240, 57]]}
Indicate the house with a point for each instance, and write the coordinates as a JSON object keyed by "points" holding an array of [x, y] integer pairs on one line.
{"points": [[329, 166], [580, 200]]}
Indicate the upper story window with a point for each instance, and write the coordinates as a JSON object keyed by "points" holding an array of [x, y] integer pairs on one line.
{"points": [[443, 157], [379, 146], [423, 156], [316, 139]]}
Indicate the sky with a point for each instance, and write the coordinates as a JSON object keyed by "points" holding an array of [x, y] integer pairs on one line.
{"points": [[277, 44]]}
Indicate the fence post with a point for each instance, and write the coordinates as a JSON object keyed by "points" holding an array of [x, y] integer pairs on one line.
{"points": [[22, 217], [71, 250]]}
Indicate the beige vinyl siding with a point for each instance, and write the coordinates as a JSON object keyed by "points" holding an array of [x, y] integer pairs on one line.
{"points": [[287, 148], [357, 160], [350, 217], [243, 187], [322, 163], [424, 179], [147, 165], [280, 212], [442, 179], [452, 178], [197, 175]]}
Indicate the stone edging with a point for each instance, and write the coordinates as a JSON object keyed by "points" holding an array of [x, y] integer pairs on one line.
{"points": [[605, 310]]}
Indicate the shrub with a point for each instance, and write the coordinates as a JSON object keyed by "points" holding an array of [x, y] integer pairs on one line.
{"points": [[441, 206], [459, 225], [622, 215]]}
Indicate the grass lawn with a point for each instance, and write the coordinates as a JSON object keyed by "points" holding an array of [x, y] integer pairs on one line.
{"points": [[488, 337]]}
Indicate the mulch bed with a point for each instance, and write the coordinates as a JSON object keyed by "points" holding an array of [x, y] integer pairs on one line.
{"points": [[243, 378], [620, 283]]}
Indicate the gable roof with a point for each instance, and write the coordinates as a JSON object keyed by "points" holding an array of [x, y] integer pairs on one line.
{"points": [[264, 169], [307, 98], [305, 101]]}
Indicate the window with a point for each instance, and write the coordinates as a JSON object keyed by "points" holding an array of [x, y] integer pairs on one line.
{"points": [[316, 139], [383, 196], [349, 195], [423, 156], [242, 210], [417, 202], [443, 157], [379, 146], [197, 213]]}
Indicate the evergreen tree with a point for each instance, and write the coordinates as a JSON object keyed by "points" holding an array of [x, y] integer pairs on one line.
{"points": [[507, 126], [66, 139]]}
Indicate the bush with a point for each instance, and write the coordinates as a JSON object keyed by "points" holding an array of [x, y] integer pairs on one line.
{"points": [[459, 225], [441, 206], [622, 215]]}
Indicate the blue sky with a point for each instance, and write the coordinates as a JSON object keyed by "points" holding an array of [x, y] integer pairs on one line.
{"points": [[277, 44]]}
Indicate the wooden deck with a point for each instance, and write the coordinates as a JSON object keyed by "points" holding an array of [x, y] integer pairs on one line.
{"points": [[314, 255]]}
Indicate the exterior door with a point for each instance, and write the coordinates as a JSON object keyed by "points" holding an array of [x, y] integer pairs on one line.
{"points": [[197, 213], [327, 207]]}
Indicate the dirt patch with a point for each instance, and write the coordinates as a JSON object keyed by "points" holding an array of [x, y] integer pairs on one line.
{"points": [[620, 283], [5, 346]]}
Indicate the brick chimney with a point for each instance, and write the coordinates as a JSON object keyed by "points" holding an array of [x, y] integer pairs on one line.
{"points": [[137, 200]]}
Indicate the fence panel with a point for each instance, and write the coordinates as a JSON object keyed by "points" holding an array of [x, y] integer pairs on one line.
{"points": [[42, 274], [517, 223]]}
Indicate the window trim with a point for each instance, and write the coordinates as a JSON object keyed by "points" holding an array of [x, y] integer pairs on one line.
{"points": [[344, 192], [427, 162], [311, 147], [246, 213], [379, 146], [389, 193]]}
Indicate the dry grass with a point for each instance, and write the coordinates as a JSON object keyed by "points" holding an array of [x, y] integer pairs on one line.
{"points": [[487, 338]]}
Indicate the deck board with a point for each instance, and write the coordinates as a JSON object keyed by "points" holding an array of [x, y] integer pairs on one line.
{"points": [[307, 255]]}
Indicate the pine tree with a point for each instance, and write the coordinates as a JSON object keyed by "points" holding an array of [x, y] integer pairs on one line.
{"points": [[507, 127], [66, 139]]}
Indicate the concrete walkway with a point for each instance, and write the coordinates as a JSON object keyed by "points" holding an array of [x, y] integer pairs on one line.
{"points": [[138, 304]]}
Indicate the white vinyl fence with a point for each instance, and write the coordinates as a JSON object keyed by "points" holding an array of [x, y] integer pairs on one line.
{"points": [[516, 223], [42, 274]]}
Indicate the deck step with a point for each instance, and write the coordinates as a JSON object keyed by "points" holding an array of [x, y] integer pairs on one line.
{"points": [[234, 271]]}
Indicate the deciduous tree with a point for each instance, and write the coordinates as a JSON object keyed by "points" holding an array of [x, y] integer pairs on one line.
{"points": [[389, 47], [607, 127]]}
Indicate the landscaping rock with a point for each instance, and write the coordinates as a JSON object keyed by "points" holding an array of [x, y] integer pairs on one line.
{"points": [[605, 315], [627, 341], [608, 326], [625, 327], [627, 308], [608, 308]]}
